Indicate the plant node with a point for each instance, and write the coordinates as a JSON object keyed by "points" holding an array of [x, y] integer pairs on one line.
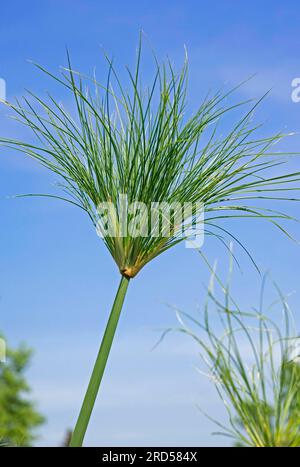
{"points": [[129, 272]]}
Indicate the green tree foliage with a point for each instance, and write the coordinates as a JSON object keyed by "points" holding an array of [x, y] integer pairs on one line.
{"points": [[18, 414]]}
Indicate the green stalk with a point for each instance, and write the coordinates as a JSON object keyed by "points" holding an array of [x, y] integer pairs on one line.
{"points": [[100, 364]]}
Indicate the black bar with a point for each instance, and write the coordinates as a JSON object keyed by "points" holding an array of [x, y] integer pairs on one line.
{"points": [[152, 456]]}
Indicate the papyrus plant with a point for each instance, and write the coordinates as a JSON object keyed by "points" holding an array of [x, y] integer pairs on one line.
{"points": [[252, 357], [136, 140]]}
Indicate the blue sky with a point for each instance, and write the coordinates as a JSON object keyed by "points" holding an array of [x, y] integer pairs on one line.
{"points": [[57, 280]]}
